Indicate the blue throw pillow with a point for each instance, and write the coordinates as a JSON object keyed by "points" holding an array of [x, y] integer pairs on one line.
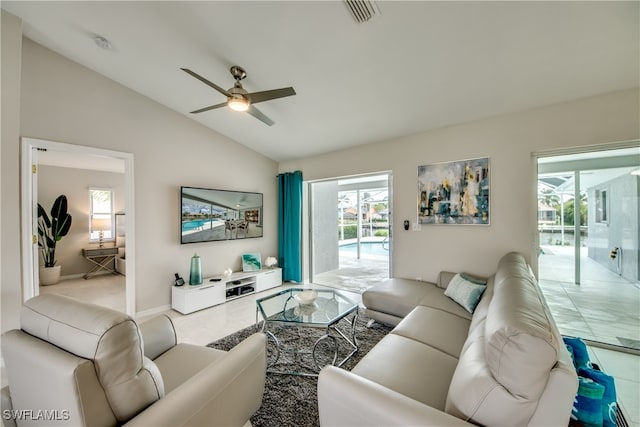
{"points": [[609, 398], [587, 406], [464, 292]]}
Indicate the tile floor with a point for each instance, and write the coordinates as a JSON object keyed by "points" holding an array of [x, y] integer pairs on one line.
{"points": [[604, 307], [104, 289]]}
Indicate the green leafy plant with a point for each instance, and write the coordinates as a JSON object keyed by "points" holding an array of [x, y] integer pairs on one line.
{"points": [[50, 231]]}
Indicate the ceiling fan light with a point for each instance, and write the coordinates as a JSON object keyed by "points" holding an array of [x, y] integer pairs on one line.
{"points": [[238, 104]]}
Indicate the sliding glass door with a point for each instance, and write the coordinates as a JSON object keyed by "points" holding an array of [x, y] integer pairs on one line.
{"points": [[588, 210], [350, 232]]}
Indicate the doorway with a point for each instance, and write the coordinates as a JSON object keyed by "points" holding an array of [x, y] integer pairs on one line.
{"points": [[68, 156], [350, 233], [588, 233]]}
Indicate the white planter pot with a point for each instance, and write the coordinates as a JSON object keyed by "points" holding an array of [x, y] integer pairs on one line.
{"points": [[49, 275]]}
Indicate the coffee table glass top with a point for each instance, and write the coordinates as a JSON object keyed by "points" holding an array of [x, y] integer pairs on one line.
{"points": [[329, 307]]}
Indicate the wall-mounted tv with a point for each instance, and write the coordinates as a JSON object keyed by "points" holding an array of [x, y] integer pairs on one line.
{"points": [[211, 215]]}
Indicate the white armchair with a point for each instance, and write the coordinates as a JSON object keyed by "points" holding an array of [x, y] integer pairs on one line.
{"points": [[93, 366]]}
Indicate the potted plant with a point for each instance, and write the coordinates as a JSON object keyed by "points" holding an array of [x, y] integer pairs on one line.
{"points": [[50, 231]]}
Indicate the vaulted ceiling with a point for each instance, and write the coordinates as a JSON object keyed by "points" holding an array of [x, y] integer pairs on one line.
{"points": [[414, 67]]}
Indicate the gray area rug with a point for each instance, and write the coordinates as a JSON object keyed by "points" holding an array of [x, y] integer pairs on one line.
{"points": [[291, 400]]}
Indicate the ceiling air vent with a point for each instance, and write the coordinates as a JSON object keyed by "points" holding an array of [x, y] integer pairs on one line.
{"points": [[362, 10]]}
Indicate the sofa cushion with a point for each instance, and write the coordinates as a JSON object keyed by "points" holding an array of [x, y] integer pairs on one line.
{"points": [[436, 299], [520, 345], [174, 369], [409, 367], [465, 292], [396, 296], [436, 328], [474, 394]]}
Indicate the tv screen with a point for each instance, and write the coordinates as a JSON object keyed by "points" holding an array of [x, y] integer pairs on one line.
{"points": [[210, 215]]}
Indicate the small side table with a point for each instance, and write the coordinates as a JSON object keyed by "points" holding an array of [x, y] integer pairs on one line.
{"points": [[102, 259]]}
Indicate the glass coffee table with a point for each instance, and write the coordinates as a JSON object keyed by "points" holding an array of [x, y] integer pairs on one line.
{"points": [[302, 338]]}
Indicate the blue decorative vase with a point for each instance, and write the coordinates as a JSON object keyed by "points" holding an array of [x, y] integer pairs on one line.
{"points": [[195, 274]]}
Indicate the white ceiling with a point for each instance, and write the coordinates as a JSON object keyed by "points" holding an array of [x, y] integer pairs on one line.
{"points": [[415, 67]]}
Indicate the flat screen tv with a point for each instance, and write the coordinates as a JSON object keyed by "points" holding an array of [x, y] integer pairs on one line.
{"points": [[211, 215]]}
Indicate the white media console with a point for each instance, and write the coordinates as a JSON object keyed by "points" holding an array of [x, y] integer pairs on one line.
{"points": [[189, 298]]}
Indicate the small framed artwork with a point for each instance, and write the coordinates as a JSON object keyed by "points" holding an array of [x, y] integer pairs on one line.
{"points": [[454, 192], [251, 262]]}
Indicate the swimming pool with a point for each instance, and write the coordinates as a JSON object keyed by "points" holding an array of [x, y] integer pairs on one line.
{"points": [[197, 223], [372, 248]]}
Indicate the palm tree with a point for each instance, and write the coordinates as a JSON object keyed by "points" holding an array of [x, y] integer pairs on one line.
{"points": [[548, 197]]}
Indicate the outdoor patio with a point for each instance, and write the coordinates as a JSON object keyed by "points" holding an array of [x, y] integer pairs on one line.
{"points": [[603, 308], [355, 275]]}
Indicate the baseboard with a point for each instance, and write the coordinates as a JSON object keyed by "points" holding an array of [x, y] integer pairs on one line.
{"points": [[153, 311]]}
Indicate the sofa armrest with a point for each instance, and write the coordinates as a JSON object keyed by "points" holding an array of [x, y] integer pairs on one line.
{"points": [[345, 398], [7, 419], [226, 393], [158, 336]]}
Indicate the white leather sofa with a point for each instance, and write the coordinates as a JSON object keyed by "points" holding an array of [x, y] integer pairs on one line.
{"points": [[90, 366], [505, 365]]}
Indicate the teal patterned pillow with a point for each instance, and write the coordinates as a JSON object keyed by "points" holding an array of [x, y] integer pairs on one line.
{"points": [[464, 292]]}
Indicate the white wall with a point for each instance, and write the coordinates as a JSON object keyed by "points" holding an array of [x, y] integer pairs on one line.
{"points": [[65, 102], [10, 273], [75, 184], [509, 141]]}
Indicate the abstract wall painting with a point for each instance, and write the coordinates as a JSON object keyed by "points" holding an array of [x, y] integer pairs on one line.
{"points": [[251, 262], [454, 192]]}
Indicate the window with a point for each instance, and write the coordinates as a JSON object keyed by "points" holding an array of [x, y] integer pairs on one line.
{"points": [[101, 217], [601, 206]]}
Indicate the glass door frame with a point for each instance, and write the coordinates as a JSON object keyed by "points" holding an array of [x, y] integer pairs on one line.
{"points": [[575, 167], [309, 205]]}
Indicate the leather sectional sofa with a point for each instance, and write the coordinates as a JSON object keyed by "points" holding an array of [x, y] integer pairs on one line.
{"points": [[503, 365]]}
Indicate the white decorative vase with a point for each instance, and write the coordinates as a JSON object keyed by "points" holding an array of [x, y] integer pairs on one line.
{"points": [[49, 275]]}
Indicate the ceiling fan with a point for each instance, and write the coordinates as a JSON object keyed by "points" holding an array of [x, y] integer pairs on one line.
{"points": [[238, 98]]}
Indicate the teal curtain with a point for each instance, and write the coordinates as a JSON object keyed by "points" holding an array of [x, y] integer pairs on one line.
{"points": [[290, 225]]}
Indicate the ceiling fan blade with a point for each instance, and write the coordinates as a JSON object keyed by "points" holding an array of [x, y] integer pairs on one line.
{"points": [[267, 95], [213, 107], [207, 82], [259, 115]]}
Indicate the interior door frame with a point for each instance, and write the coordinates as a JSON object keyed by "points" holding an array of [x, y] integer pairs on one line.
{"points": [[30, 272]]}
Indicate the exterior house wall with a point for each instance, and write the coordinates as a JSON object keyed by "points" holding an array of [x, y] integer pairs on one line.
{"points": [[620, 230]]}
